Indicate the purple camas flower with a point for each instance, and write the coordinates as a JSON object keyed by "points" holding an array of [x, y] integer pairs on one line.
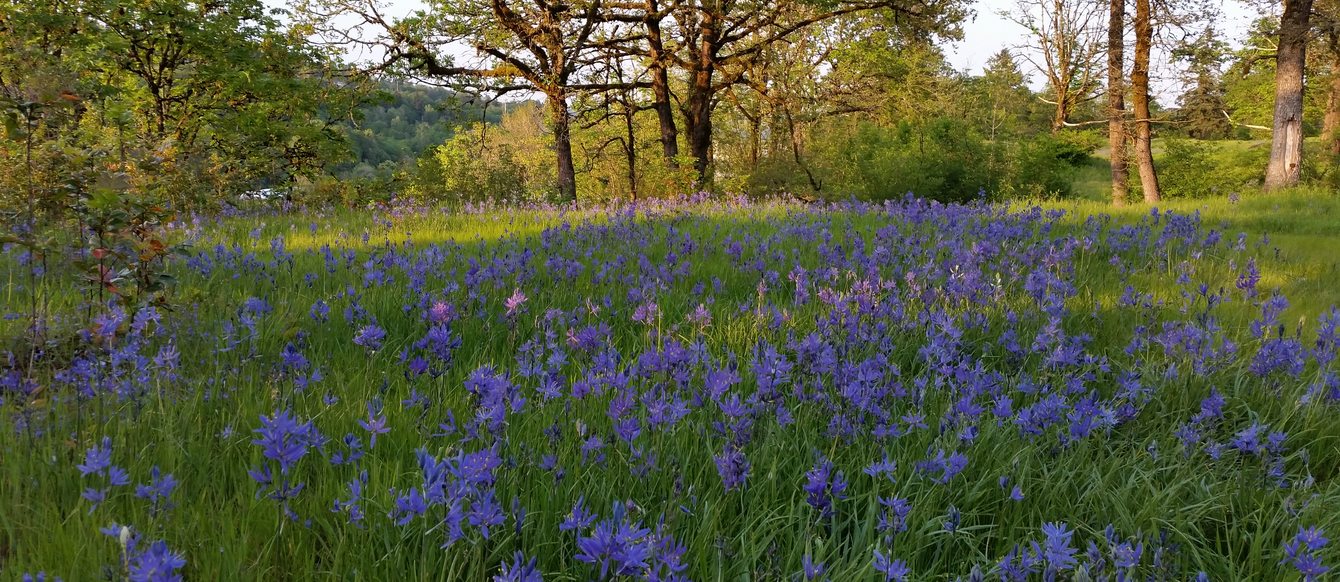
{"points": [[885, 467], [1057, 549], [1126, 555], [1302, 552], [1279, 354], [943, 467], [408, 506], [285, 440], [291, 359], [97, 458], [353, 505], [440, 342], [617, 546], [733, 467], [810, 569], [519, 570], [952, 519], [375, 424], [370, 336], [157, 490], [700, 316], [823, 486], [647, 313], [98, 464], [892, 517], [320, 311], [156, 564], [441, 312], [486, 513], [1249, 278], [579, 518], [891, 569]]}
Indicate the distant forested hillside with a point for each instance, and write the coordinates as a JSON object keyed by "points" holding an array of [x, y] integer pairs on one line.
{"points": [[407, 120]]}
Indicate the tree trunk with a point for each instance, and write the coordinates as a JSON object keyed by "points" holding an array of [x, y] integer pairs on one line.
{"points": [[660, 88], [1062, 113], [795, 150], [1330, 129], [1144, 153], [697, 107], [1061, 74], [1286, 147], [567, 175], [630, 149], [1116, 99], [755, 137], [698, 120]]}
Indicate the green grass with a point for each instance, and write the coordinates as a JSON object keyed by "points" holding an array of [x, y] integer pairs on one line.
{"points": [[1301, 228], [1227, 518]]}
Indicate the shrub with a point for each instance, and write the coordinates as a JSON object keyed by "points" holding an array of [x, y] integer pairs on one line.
{"points": [[1074, 147], [941, 160], [1038, 168], [1196, 169]]}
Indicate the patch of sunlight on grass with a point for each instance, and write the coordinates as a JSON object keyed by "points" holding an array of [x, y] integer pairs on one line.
{"points": [[1296, 235]]}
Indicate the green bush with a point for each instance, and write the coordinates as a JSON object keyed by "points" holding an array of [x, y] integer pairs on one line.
{"points": [[1074, 147], [1039, 168], [1320, 166], [1197, 169], [943, 160]]}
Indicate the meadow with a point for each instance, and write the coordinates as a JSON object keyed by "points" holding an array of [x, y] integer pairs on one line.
{"points": [[692, 390]]}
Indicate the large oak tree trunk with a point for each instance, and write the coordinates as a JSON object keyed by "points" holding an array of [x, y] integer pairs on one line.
{"points": [[1286, 147], [1116, 99], [660, 87], [1144, 153], [567, 174], [698, 120], [697, 107]]}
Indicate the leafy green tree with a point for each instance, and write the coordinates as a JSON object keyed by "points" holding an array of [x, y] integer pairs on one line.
{"points": [[1004, 96], [1200, 114], [195, 101], [529, 45]]}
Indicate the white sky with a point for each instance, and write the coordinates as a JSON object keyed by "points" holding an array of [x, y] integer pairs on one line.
{"points": [[989, 31]]}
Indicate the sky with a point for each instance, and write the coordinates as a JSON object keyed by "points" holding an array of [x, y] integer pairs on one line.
{"points": [[989, 31]]}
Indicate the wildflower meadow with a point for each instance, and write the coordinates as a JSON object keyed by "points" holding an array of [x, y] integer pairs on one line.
{"points": [[694, 390]]}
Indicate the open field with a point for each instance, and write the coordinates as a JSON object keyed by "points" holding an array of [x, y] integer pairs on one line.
{"points": [[707, 391]]}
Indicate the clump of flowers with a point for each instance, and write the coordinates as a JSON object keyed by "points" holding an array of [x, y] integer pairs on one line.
{"points": [[98, 465], [1303, 553]]}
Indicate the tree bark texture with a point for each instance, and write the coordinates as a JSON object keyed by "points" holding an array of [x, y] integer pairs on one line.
{"points": [[1286, 147]]}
